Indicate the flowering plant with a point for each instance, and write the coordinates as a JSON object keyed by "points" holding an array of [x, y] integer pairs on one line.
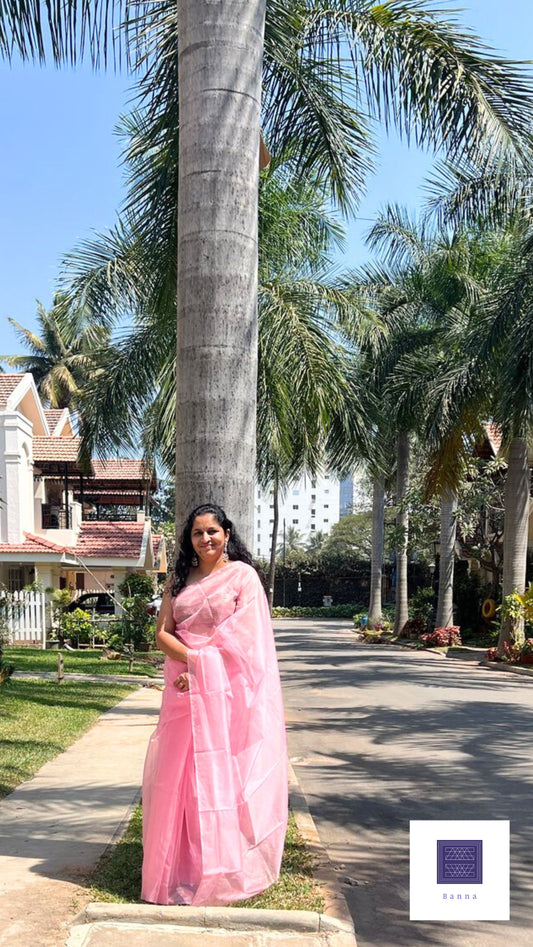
{"points": [[442, 637], [492, 655]]}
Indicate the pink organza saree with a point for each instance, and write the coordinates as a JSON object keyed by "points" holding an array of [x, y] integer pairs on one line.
{"points": [[215, 776]]}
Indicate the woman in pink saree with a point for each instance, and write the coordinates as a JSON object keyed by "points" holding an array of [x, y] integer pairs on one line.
{"points": [[215, 776]]}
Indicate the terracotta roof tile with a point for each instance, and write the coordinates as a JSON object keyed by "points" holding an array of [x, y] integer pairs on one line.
{"points": [[8, 383], [32, 544], [56, 448], [54, 417], [122, 469], [110, 539]]}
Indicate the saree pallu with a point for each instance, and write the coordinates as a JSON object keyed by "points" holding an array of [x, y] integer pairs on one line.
{"points": [[215, 776]]}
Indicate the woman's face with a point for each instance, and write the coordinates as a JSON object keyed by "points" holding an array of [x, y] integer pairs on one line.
{"points": [[208, 538]]}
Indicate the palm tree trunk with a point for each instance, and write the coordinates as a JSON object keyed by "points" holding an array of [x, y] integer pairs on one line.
{"points": [[273, 547], [448, 528], [220, 59], [516, 521], [376, 573], [402, 520]]}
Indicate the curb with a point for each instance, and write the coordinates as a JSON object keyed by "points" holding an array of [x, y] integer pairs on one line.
{"points": [[336, 908], [506, 668], [221, 918], [335, 920]]}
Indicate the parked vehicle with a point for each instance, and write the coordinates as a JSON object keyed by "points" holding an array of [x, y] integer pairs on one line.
{"points": [[99, 602]]}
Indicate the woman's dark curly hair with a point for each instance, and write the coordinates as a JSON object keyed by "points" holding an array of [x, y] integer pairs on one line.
{"points": [[236, 548]]}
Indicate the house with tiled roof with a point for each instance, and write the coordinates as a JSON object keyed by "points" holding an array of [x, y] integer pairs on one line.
{"points": [[64, 523]]}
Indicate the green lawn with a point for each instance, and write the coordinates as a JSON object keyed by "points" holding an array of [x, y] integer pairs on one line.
{"points": [[39, 719], [118, 875], [81, 662]]}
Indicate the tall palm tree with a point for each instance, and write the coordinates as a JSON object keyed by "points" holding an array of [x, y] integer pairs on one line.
{"points": [[62, 352], [407, 64], [437, 277], [375, 605], [496, 369]]}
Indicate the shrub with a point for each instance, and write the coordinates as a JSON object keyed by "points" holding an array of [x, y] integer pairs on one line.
{"points": [[442, 637], [421, 605], [137, 585], [77, 624], [135, 621], [319, 611]]}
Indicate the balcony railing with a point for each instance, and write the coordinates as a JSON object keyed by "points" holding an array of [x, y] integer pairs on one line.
{"points": [[55, 517]]}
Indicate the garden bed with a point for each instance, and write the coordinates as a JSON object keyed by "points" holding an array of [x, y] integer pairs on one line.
{"points": [[118, 875]]}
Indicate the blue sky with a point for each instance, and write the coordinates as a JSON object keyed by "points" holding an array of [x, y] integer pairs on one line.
{"points": [[61, 176]]}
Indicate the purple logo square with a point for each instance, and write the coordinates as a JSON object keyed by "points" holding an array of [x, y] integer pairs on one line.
{"points": [[460, 862]]}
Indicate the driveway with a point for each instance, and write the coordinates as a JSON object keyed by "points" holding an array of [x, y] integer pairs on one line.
{"points": [[379, 736]]}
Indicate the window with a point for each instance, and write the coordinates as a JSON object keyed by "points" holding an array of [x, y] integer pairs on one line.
{"points": [[313, 483], [258, 494], [295, 522], [259, 524], [271, 506], [313, 512], [270, 535], [295, 506], [326, 506], [326, 476], [313, 497], [16, 578], [326, 491], [313, 526], [326, 521], [258, 552], [271, 521], [258, 538]]}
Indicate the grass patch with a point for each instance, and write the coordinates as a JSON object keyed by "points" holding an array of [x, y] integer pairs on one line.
{"points": [[39, 719], [88, 661], [118, 874]]}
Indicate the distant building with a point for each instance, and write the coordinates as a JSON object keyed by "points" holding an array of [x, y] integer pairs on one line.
{"points": [[346, 496], [310, 505], [51, 527]]}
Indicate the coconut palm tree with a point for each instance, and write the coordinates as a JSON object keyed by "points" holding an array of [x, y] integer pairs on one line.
{"points": [[495, 371], [406, 64], [436, 280], [62, 355]]}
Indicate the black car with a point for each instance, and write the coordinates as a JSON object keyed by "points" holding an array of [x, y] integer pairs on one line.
{"points": [[98, 602]]}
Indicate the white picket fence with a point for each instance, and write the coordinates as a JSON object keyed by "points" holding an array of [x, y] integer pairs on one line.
{"points": [[25, 615]]}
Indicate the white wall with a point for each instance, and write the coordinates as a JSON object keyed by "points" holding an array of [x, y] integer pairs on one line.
{"points": [[309, 505], [16, 477]]}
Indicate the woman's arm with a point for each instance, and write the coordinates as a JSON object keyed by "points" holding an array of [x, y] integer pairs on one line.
{"points": [[164, 634]]}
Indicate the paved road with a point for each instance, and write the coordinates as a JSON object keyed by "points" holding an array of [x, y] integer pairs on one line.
{"points": [[379, 736]]}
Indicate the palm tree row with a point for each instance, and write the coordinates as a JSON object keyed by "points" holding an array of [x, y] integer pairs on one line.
{"points": [[327, 72], [325, 69], [464, 299]]}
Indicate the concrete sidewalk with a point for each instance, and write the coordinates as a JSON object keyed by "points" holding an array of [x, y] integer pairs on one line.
{"points": [[55, 827]]}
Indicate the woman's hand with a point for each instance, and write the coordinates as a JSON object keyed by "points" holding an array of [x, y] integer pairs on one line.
{"points": [[182, 682]]}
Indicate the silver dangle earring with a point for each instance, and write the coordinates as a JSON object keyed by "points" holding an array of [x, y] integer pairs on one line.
{"points": [[194, 561], [225, 554]]}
